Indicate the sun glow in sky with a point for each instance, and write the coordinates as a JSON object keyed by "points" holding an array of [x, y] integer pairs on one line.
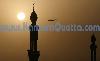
{"points": [[21, 16]]}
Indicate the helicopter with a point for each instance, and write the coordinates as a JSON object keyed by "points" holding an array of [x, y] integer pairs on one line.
{"points": [[52, 19]]}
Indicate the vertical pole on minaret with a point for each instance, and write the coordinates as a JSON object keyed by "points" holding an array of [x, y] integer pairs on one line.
{"points": [[93, 47], [33, 53]]}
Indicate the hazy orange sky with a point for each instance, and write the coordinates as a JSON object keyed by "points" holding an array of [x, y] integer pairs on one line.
{"points": [[54, 46]]}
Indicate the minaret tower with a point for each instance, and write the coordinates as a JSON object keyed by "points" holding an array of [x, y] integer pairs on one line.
{"points": [[33, 53], [93, 47]]}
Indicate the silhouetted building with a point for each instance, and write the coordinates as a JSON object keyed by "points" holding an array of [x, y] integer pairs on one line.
{"points": [[93, 48], [32, 52]]}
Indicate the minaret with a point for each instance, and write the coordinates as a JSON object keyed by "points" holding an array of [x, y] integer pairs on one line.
{"points": [[93, 48], [33, 53]]}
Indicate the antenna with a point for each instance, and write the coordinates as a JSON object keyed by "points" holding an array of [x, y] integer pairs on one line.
{"points": [[33, 6]]}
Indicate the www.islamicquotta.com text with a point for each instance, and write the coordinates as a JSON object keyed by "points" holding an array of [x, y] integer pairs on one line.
{"points": [[57, 27]]}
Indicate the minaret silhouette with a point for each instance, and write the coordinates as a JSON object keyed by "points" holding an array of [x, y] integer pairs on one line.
{"points": [[32, 52], [93, 47]]}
